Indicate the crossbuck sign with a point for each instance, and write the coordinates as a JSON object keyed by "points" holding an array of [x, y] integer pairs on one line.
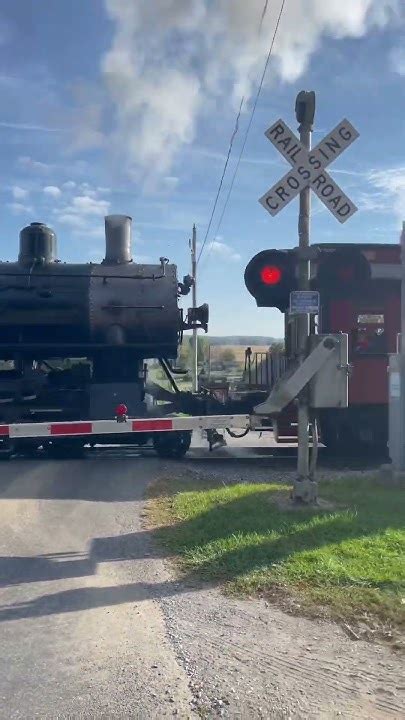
{"points": [[309, 169]]}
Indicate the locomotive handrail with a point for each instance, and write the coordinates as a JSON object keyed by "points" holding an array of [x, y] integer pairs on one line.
{"points": [[133, 307], [77, 275], [103, 276], [84, 345]]}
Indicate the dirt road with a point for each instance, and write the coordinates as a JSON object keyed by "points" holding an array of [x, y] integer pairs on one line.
{"points": [[93, 625]]}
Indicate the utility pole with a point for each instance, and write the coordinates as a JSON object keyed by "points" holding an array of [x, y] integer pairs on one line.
{"points": [[305, 488], [401, 459], [396, 385], [194, 371]]}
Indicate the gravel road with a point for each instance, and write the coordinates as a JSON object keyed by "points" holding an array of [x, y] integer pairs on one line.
{"points": [[94, 625]]}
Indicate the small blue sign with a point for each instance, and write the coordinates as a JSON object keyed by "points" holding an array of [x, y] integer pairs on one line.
{"points": [[304, 302]]}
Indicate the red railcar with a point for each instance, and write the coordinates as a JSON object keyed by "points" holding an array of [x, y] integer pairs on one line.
{"points": [[369, 312]]}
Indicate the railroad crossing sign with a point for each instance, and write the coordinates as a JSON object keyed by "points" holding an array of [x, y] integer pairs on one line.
{"points": [[309, 169]]}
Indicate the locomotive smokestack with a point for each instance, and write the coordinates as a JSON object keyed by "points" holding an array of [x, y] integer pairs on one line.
{"points": [[37, 245], [117, 239]]}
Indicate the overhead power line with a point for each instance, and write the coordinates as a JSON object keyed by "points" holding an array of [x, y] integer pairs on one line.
{"points": [[264, 11], [234, 133], [235, 130], [256, 100]]}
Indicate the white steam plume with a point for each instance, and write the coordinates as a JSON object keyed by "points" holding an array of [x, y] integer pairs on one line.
{"points": [[171, 59]]}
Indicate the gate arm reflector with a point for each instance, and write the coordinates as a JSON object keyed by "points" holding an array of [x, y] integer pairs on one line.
{"points": [[288, 388]]}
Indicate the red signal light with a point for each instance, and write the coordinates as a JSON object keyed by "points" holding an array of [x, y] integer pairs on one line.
{"points": [[121, 410], [271, 275]]}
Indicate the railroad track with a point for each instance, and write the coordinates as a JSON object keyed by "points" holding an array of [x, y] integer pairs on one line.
{"points": [[283, 457]]}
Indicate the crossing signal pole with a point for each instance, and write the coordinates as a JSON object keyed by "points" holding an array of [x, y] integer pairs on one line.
{"points": [[271, 277], [305, 488], [194, 368], [399, 430]]}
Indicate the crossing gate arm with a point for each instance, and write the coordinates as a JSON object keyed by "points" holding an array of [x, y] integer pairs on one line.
{"points": [[86, 428]]}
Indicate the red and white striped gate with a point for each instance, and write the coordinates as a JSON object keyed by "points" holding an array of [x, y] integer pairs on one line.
{"points": [[121, 426]]}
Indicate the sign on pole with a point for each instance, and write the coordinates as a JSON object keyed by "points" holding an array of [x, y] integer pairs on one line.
{"points": [[304, 301], [309, 169]]}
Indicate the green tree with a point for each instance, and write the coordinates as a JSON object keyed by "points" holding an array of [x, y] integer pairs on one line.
{"points": [[184, 358], [227, 355], [203, 349], [277, 346]]}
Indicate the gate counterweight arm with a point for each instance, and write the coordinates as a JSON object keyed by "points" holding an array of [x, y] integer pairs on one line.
{"points": [[288, 388]]}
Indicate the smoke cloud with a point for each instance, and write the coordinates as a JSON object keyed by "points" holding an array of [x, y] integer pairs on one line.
{"points": [[171, 61]]}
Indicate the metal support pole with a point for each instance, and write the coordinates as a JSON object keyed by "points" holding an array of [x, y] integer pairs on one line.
{"points": [[401, 358], [194, 366], [305, 489]]}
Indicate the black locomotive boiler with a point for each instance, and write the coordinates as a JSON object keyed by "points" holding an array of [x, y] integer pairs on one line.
{"points": [[74, 338]]}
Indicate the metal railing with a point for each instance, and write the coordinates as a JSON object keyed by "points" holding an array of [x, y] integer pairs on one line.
{"points": [[263, 369]]}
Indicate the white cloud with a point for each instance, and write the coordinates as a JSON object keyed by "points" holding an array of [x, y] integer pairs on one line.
{"points": [[208, 154], [19, 193], [52, 191], [83, 227], [222, 251], [389, 191], [9, 81], [84, 214], [85, 205], [86, 119], [19, 209], [86, 189], [96, 231], [171, 59], [69, 185], [171, 182], [72, 220], [28, 163], [397, 58], [29, 128]]}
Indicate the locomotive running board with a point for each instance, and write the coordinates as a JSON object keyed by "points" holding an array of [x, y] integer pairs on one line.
{"points": [[84, 428]]}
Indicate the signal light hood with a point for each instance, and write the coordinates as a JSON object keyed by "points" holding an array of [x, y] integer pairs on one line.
{"points": [[270, 276], [344, 269]]}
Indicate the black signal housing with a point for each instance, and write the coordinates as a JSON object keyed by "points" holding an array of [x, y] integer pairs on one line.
{"points": [[344, 269], [270, 276]]}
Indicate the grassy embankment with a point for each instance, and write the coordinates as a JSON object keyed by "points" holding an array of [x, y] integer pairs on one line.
{"points": [[347, 562]]}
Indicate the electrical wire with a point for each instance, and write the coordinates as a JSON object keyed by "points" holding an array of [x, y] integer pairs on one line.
{"points": [[260, 87], [237, 435], [234, 133], [264, 11], [235, 130]]}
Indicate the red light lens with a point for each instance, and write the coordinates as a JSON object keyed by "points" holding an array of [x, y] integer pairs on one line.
{"points": [[270, 275], [121, 410]]}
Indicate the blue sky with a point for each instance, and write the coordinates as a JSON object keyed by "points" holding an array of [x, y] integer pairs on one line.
{"points": [[109, 107]]}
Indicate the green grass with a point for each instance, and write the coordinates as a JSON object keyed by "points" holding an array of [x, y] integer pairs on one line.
{"points": [[349, 560]]}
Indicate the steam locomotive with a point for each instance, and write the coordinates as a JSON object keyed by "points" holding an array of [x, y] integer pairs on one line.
{"points": [[74, 338]]}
